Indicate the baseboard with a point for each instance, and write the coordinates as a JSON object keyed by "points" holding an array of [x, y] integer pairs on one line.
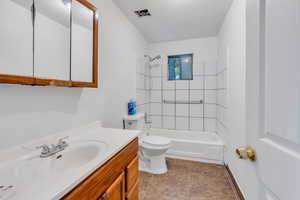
{"points": [[237, 188], [185, 157]]}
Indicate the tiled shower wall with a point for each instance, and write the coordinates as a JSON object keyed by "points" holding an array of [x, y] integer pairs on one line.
{"points": [[221, 98], [143, 86], [196, 117]]}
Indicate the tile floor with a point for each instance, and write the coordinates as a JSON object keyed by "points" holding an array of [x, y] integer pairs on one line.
{"points": [[188, 180]]}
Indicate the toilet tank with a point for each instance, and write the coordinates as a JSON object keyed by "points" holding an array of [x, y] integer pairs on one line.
{"points": [[134, 122]]}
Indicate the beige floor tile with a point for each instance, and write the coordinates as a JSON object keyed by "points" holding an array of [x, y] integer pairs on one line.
{"points": [[187, 180]]}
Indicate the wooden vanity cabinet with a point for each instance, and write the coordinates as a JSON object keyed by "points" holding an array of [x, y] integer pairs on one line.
{"points": [[117, 179], [116, 191]]}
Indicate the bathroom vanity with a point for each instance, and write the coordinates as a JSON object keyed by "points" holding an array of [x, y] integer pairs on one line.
{"points": [[115, 180], [96, 164]]}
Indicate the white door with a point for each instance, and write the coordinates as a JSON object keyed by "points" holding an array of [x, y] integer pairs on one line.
{"points": [[273, 95]]}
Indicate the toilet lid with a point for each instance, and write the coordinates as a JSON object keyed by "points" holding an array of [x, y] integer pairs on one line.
{"points": [[156, 140]]}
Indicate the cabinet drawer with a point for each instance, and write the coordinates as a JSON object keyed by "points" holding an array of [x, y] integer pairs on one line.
{"points": [[134, 192], [132, 174]]}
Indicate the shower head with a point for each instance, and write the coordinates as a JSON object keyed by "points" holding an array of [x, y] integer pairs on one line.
{"points": [[152, 59]]}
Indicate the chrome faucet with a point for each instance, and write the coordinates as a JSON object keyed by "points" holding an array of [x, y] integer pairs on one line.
{"points": [[53, 149]]}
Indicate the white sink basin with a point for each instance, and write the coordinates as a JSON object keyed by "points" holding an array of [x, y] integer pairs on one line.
{"points": [[76, 155], [31, 167]]}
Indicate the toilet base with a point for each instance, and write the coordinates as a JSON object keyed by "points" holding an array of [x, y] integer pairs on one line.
{"points": [[153, 164]]}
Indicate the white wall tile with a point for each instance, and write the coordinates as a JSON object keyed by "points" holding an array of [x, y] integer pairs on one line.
{"points": [[196, 95], [210, 82], [196, 83], [165, 66], [141, 97], [168, 122], [169, 95], [155, 69], [210, 67], [156, 122], [196, 124], [141, 108], [155, 109], [182, 84], [210, 96], [140, 81], [221, 79], [156, 96], [182, 95], [221, 114], [210, 125], [156, 83], [201, 54], [182, 110], [168, 85], [147, 83], [182, 123], [210, 110], [169, 109], [198, 68], [222, 97], [196, 110]]}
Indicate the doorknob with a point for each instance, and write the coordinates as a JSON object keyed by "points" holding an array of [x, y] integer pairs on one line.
{"points": [[246, 153]]}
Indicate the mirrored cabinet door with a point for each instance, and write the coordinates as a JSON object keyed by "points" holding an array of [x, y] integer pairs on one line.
{"points": [[82, 43], [16, 38], [52, 39]]}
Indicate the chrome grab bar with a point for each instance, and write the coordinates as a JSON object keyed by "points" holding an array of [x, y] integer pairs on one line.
{"points": [[182, 102]]}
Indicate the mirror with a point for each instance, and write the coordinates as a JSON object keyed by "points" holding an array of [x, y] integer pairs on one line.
{"points": [[52, 39], [82, 43], [16, 31]]}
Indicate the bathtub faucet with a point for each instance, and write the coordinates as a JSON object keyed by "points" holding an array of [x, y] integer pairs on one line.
{"points": [[147, 119]]}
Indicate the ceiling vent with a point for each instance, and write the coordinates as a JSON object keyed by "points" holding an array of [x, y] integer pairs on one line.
{"points": [[142, 13]]}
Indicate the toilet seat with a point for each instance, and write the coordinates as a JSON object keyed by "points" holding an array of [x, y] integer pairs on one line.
{"points": [[155, 141]]}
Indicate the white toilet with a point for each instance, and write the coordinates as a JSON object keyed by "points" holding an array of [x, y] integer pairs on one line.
{"points": [[152, 149]]}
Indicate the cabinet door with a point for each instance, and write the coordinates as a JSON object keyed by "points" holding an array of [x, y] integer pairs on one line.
{"points": [[16, 37], [52, 39], [134, 192], [82, 43], [132, 174], [116, 191]]}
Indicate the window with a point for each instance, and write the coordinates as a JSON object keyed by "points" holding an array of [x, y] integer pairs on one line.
{"points": [[180, 67]]}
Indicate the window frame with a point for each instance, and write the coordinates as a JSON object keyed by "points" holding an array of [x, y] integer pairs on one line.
{"points": [[192, 67]]}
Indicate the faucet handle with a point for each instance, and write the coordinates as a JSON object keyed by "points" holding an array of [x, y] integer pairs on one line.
{"points": [[45, 148], [61, 141]]}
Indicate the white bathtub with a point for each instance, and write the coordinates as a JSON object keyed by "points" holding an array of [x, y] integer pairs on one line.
{"points": [[191, 145]]}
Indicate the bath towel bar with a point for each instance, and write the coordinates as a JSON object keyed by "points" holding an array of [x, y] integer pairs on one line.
{"points": [[182, 102]]}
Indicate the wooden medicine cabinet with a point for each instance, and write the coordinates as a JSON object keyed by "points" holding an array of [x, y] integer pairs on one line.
{"points": [[49, 43]]}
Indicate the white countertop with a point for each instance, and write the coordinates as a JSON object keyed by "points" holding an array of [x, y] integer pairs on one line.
{"points": [[22, 168]]}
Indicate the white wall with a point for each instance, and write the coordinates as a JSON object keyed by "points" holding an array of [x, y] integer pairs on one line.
{"points": [[28, 112], [232, 51], [202, 87]]}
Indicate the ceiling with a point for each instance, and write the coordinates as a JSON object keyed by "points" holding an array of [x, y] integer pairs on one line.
{"points": [[176, 19]]}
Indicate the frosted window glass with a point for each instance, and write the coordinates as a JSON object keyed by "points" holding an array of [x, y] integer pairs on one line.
{"points": [[180, 67]]}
